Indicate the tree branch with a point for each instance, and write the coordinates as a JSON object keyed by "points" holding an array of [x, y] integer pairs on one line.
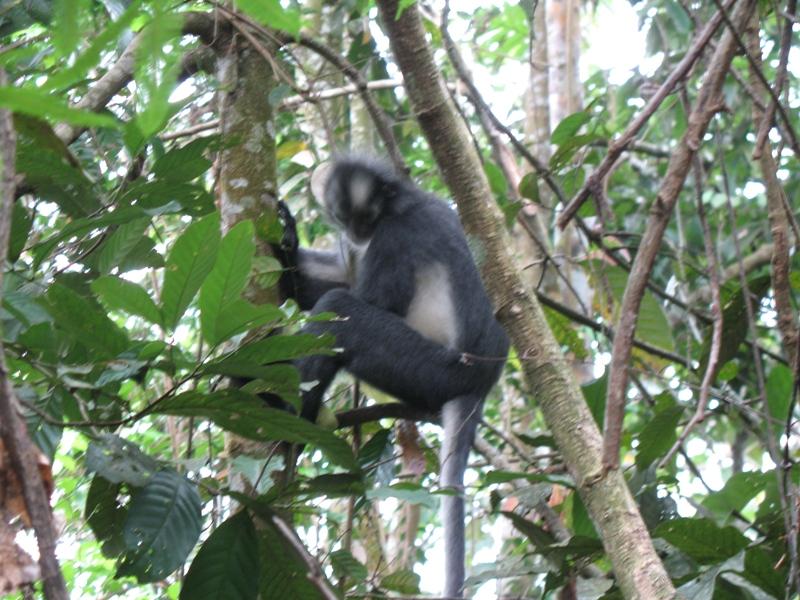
{"points": [[708, 103], [21, 450]]}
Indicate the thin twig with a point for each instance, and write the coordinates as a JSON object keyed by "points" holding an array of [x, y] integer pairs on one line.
{"points": [[712, 365], [780, 81], [315, 574]]}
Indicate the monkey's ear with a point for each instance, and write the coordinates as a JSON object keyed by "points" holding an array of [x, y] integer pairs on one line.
{"points": [[319, 178]]}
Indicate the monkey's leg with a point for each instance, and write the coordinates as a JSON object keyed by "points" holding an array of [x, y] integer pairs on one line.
{"points": [[380, 348]]}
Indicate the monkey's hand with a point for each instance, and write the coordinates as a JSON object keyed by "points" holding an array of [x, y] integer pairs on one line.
{"points": [[289, 242]]}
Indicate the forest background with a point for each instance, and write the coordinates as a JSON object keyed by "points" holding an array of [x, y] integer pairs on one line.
{"points": [[635, 231]]}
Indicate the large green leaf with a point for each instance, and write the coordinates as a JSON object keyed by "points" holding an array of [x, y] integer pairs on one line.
{"points": [[347, 565], [105, 515], [190, 261], [652, 326], [658, 435], [85, 322], [284, 574], [227, 279], [281, 379], [184, 163], [162, 527], [404, 581], [780, 386], [240, 316], [119, 461], [734, 316], [248, 416], [120, 243], [226, 566], [157, 67], [766, 572], [37, 103], [702, 539], [277, 348], [90, 57], [737, 492], [69, 20], [272, 13], [119, 294]]}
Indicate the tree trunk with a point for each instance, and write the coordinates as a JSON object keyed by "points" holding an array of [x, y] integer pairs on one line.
{"points": [[639, 571]]}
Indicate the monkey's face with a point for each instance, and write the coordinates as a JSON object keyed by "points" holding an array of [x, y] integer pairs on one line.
{"points": [[357, 223], [354, 204]]}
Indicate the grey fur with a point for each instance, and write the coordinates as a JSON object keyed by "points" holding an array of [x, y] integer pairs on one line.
{"points": [[419, 323]]}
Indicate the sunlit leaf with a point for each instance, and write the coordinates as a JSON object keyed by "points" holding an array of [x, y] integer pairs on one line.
{"points": [[189, 262], [120, 294]]}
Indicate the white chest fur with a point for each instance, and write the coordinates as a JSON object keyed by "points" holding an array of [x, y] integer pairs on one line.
{"points": [[432, 311]]}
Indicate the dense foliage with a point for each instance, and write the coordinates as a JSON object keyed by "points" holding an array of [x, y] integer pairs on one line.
{"points": [[131, 297]]}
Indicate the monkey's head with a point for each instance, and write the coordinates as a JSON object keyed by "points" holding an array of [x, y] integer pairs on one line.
{"points": [[357, 194]]}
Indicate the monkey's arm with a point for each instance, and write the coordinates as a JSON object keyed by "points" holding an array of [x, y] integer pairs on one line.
{"points": [[307, 274]]}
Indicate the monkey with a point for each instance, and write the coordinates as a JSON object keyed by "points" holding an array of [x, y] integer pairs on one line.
{"points": [[415, 320]]}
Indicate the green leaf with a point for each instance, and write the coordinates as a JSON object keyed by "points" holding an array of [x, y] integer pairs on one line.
{"points": [[537, 535], [529, 187], [38, 103], [375, 447], [346, 565], [702, 539], [734, 314], [278, 348], [157, 68], [241, 316], [404, 581], [226, 566], [658, 435], [595, 395], [190, 261], [120, 243], [496, 476], [780, 386], [119, 294], [69, 19], [91, 56], [227, 279], [281, 379], [652, 326], [762, 570], [184, 163], [737, 492], [21, 222], [284, 575], [105, 515], [497, 181], [270, 12], [335, 485], [248, 416], [84, 321], [119, 461], [412, 493], [162, 527], [568, 127], [565, 333]]}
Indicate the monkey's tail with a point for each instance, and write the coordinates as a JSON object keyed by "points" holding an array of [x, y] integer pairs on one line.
{"points": [[460, 418]]}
